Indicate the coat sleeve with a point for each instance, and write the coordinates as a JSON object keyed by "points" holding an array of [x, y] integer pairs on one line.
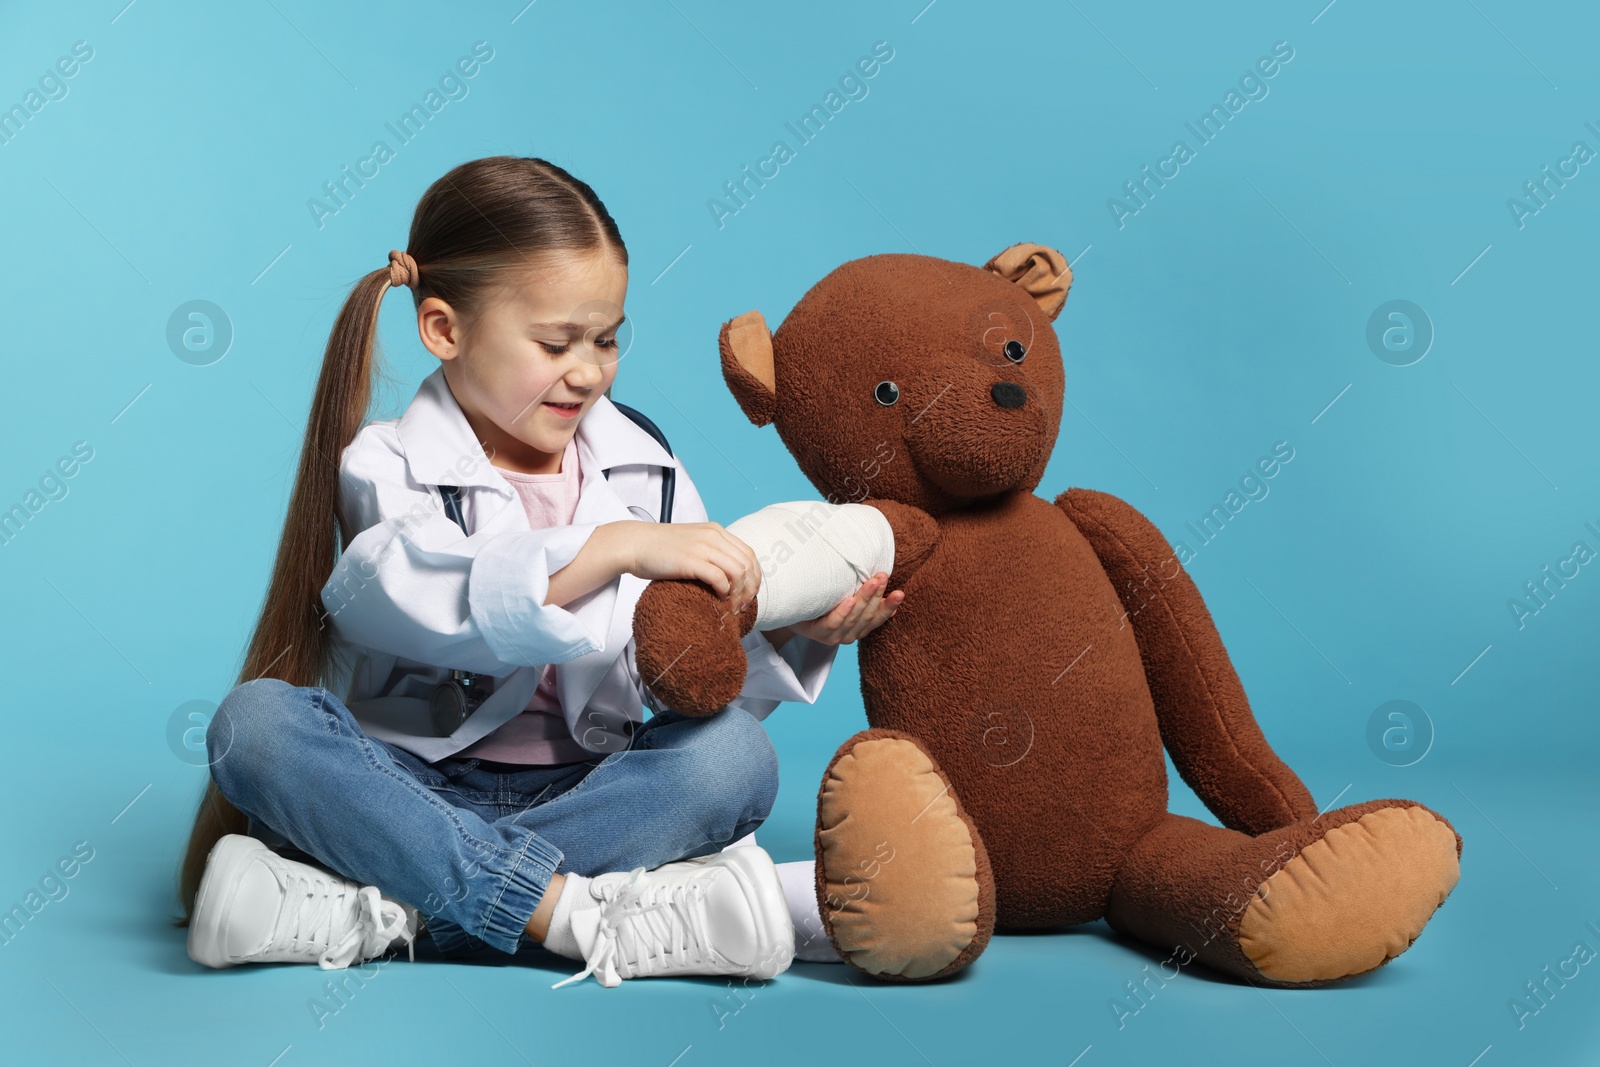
{"points": [[796, 672], [410, 584]]}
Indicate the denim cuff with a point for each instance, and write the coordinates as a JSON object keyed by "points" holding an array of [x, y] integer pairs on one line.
{"points": [[507, 919], [450, 940]]}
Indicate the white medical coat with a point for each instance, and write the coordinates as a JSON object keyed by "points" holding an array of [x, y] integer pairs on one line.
{"points": [[412, 597]]}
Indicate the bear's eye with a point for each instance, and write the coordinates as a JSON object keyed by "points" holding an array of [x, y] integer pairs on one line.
{"points": [[886, 393], [1015, 351]]}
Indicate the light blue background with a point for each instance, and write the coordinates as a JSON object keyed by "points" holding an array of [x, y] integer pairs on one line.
{"points": [[1222, 318]]}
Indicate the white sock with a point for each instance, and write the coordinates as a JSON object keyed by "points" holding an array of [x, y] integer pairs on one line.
{"points": [[574, 895], [800, 891]]}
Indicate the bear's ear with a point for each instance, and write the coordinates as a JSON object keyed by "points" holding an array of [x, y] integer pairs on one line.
{"points": [[747, 366], [1042, 271]]}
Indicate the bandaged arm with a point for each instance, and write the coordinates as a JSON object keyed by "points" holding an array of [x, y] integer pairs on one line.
{"points": [[813, 554]]}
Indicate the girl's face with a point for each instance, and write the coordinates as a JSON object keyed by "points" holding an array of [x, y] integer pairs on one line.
{"points": [[536, 358]]}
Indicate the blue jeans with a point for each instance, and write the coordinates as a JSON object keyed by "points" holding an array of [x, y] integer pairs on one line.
{"points": [[471, 849]]}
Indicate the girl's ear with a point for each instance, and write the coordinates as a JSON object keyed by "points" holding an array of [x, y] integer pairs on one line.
{"points": [[747, 366], [1040, 270]]}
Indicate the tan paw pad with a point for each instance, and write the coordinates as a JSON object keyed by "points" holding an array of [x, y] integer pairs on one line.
{"points": [[1352, 900], [898, 861]]}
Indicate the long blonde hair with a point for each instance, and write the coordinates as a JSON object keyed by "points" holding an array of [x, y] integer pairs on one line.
{"points": [[475, 229]]}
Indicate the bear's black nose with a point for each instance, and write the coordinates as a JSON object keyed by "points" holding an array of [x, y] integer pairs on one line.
{"points": [[1008, 394]]}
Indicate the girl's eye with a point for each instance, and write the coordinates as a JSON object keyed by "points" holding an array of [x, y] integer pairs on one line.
{"points": [[557, 350]]}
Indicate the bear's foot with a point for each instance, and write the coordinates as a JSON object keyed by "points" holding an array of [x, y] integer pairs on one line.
{"points": [[1321, 900], [903, 881], [1353, 899]]}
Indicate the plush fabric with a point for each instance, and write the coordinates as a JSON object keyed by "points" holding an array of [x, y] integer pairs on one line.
{"points": [[1047, 652], [687, 646]]}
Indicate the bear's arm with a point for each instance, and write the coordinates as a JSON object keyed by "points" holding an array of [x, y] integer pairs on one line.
{"points": [[1206, 722], [916, 534]]}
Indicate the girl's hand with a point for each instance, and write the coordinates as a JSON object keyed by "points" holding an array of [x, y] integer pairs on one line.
{"points": [[853, 617], [702, 550]]}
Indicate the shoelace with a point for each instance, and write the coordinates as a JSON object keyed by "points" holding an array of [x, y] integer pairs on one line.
{"points": [[315, 902], [665, 917]]}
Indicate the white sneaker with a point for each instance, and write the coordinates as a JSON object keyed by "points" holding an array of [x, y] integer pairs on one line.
{"points": [[717, 914], [255, 906]]}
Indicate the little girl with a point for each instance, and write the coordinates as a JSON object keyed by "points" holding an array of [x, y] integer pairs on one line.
{"points": [[491, 532]]}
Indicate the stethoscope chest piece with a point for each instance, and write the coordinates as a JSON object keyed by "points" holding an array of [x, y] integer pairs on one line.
{"points": [[453, 701]]}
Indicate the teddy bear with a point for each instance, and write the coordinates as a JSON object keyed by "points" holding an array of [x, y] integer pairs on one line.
{"points": [[1046, 654]]}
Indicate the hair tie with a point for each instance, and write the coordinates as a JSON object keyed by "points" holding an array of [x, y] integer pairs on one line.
{"points": [[402, 268]]}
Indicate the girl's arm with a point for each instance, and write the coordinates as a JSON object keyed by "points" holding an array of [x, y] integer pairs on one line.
{"points": [[702, 550], [410, 585]]}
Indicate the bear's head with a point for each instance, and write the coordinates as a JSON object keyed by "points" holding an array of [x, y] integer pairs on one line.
{"points": [[913, 379]]}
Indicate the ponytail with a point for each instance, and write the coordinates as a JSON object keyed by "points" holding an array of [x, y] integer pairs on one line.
{"points": [[290, 641]]}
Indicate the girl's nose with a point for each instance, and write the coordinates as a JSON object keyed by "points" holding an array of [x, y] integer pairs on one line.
{"points": [[588, 371]]}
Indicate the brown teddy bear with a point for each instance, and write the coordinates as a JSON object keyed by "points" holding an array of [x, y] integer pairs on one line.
{"points": [[1046, 652]]}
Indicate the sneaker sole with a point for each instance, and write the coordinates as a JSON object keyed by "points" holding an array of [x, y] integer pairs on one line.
{"points": [[206, 941]]}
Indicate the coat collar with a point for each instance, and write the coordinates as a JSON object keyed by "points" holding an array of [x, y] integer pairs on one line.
{"points": [[441, 448]]}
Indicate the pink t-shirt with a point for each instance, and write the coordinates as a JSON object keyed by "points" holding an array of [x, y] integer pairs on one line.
{"points": [[539, 735]]}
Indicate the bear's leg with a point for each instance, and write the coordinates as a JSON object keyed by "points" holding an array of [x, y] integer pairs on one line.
{"points": [[903, 881], [1322, 899]]}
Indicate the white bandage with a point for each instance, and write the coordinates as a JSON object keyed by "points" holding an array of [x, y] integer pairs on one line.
{"points": [[813, 554]]}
